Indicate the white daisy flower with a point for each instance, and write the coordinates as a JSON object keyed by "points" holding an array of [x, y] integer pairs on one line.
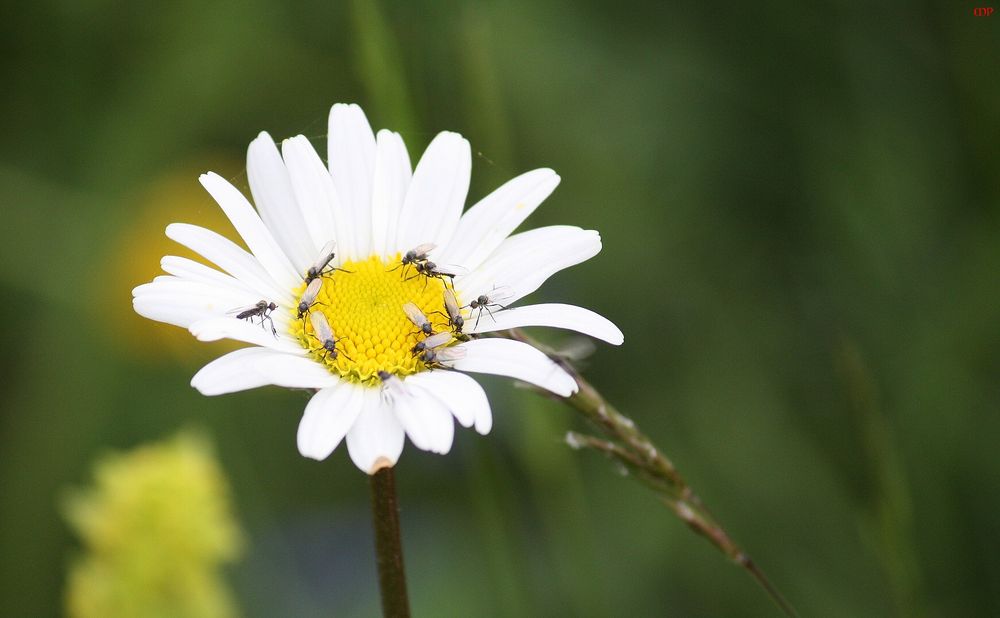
{"points": [[338, 324]]}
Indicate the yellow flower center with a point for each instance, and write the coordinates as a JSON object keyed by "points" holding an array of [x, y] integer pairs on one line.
{"points": [[364, 308]]}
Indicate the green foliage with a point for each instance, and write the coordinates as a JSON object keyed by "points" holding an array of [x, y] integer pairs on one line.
{"points": [[800, 209]]}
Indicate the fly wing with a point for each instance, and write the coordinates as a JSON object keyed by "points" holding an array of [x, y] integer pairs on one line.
{"points": [[323, 331], [437, 340], [240, 310], [423, 249], [450, 270], [575, 349], [500, 295], [312, 291], [325, 256], [414, 314], [393, 387], [451, 304], [450, 354]]}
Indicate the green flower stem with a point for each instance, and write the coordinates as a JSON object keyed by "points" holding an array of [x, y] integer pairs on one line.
{"points": [[626, 445], [388, 547]]}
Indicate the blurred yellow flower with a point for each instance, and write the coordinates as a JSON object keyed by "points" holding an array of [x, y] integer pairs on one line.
{"points": [[156, 527], [169, 197]]}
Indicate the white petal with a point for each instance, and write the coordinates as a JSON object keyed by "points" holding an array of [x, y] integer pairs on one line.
{"points": [[252, 368], [251, 229], [514, 359], [351, 156], [162, 309], [214, 329], [181, 301], [459, 393], [295, 371], [187, 310], [275, 198], [230, 258], [392, 178], [336, 221], [524, 261], [484, 226], [231, 373], [554, 314], [437, 193], [196, 271], [328, 416], [221, 297], [313, 188], [426, 420], [376, 438]]}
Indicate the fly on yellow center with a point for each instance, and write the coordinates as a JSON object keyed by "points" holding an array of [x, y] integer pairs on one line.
{"points": [[364, 308]]}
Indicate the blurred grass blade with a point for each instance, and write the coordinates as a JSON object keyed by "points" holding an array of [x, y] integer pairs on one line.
{"points": [[380, 67], [635, 453]]}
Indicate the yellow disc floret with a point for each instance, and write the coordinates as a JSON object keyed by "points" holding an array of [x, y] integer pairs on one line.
{"points": [[364, 308]]}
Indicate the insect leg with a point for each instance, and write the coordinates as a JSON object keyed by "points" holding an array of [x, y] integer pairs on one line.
{"points": [[344, 354]]}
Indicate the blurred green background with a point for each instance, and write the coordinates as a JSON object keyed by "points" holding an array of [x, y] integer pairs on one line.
{"points": [[799, 206]]}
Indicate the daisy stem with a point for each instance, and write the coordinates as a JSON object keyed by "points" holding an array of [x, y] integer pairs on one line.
{"points": [[630, 448], [388, 547]]}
